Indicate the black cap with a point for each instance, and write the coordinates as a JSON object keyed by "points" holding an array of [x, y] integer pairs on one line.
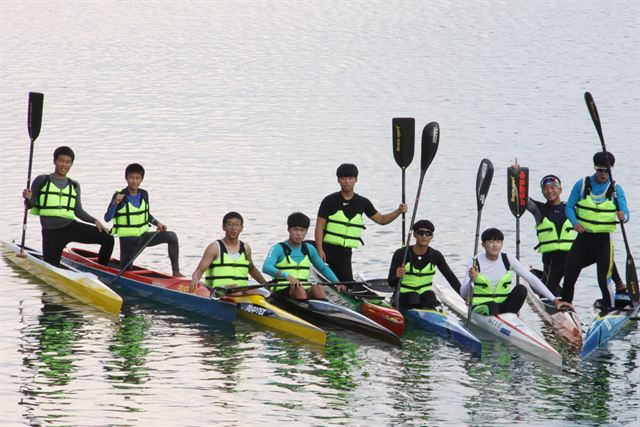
{"points": [[492, 234], [347, 169], [423, 223], [599, 159], [298, 219]]}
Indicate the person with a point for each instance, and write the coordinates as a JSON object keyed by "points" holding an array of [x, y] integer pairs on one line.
{"points": [[340, 224], [56, 199], [227, 262], [490, 273], [289, 262], [130, 210], [594, 208], [415, 276]]}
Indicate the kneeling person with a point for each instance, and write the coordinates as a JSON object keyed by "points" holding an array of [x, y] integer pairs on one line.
{"points": [[415, 277], [289, 262], [490, 272]]}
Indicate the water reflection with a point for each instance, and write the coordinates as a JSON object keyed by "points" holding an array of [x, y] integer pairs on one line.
{"points": [[129, 352]]}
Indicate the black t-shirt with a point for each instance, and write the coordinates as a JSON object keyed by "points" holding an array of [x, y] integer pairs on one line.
{"points": [[432, 256], [356, 205]]}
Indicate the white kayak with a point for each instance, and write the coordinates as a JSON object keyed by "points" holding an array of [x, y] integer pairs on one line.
{"points": [[84, 287], [508, 326]]}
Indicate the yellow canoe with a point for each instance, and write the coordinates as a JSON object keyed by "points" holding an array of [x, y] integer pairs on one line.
{"points": [[257, 309], [84, 287]]}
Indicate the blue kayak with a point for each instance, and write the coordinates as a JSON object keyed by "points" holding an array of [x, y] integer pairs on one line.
{"points": [[605, 325]]}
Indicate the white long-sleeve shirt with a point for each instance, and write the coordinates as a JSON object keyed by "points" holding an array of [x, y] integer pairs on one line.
{"points": [[495, 270]]}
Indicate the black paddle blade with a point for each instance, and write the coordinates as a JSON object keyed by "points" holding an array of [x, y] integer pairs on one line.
{"points": [[518, 190], [483, 181], [403, 138], [34, 114], [430, 140], [632, 279], [595, 117]]}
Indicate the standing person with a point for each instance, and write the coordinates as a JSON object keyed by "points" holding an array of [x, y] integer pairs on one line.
{"points": [[289, 262], [56, 199], [490, 272], [592, 210], [416, 275], [340, 223], [129, 209], [227, 262]]}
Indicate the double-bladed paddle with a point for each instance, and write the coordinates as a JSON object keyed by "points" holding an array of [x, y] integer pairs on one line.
{"points": [[483, 182], [518, 198], [630, 273], [403, 138], [430, 140], [34, 123]]}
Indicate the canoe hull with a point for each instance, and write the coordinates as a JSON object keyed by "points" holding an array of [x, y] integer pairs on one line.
{"points": [[440, 323], [605, 326]]}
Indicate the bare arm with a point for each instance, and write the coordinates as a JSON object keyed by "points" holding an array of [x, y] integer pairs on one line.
{"points": [[253, 270], [389, 217], [319, 235], [209, 255]]}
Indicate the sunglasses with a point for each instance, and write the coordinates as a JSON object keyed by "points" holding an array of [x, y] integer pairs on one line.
{"points": [[601, 170], [550, 181], [424, 233]]}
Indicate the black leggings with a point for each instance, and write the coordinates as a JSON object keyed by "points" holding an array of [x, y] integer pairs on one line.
{"points": [[130, 245], [339, 260], [553, 264], [512, 304], [587, 249], [55, 239], [415, 300]]}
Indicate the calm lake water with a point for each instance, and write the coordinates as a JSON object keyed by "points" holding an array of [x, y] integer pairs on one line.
{"points": [[250, 106]]}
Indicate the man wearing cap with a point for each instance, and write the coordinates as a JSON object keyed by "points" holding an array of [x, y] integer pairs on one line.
{"points": [[415, 275], [594, 208], [340, 223], [289, 262]]}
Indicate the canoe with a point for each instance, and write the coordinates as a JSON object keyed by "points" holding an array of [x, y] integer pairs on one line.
{"points": [[606, 325], [565, 324], [507, 326], [361, 299], [81, 286], [327, 312], [256, 309], [435, 320], [148, 284]]}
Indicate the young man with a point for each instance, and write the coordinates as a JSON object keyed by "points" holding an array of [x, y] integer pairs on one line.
{"points": [[594, 213], [129, 209], [56, 199], [490, 272], [340, 224], [227, 262], [416, 275], [289, 262]]}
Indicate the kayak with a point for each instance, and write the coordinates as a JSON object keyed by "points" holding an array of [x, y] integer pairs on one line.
{"points": [[81, 286], [435, 320], [257, 309], [361, 299], [327, 312], [508, 326], [148, 284], [606, 325]]}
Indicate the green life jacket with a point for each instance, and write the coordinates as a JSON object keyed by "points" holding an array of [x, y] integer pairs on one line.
{"points": [[550, 241], [225, 271], [596, 217], [299, 270], [484, 291], [131, 221], [54, 201], [418, 281], [342, 231]]}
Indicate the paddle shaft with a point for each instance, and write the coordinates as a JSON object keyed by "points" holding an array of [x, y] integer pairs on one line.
{"points": [[133, 258], [404, 200], [26, 208]]}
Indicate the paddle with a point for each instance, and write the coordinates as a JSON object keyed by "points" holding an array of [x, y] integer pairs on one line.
{"points": [[483, 182], [135, 255], [631, 273], [403, 138], [430, 140], [273, 285], [518, 199], [34, 122]]}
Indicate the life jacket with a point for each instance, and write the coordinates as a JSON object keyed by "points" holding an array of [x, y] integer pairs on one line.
{"points": [[55, 201], [225, 271], [342, 231], [298, 270], [548, 238], [418, 281], [596, 217], [131, 221], [484, 291]]}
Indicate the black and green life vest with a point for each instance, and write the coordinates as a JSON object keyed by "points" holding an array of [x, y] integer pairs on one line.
{"points": [[54, 201], [418, 281], [225, 271], [131, 221], [484, 291], [596, 217], [299, 270], [342, 231]]}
